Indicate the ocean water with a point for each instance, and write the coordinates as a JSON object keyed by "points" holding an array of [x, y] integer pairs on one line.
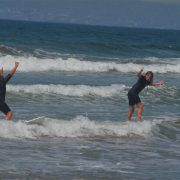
{"points": [[78, 77]]}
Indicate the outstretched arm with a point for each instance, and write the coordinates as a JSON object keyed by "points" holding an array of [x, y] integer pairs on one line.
{"points": [[157, 83], [140, 72], [13, 70]]}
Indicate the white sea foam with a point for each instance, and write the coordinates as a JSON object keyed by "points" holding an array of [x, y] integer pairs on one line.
{"points": [[69, 90], [77, 127], [33, 64]]}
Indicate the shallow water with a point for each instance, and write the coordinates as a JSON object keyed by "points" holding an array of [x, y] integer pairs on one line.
{"points": [[78, 77]]}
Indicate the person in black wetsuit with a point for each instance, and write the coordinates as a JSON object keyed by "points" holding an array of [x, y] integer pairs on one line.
{"points": [[3, 80], [133, 94]]}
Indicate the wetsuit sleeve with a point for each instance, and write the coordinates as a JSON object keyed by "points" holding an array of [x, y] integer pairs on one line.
{"points": [[7, 78]]}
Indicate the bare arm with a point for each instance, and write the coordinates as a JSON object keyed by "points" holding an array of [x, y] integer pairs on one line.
{"points": [[13, 70], [157, 83], [140, 72]]}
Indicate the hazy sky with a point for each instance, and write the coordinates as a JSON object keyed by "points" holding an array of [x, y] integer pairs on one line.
{"points": [[133, 13]]}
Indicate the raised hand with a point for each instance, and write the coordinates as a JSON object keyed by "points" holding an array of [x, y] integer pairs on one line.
{"points": [[16, 64]]}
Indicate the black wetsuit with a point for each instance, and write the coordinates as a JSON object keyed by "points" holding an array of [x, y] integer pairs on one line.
{"points": [[136, 89], [3, 106]]}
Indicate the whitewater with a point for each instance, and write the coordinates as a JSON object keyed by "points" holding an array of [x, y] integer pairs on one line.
{"points": [[33, 64], [77, 78], [79, 126]]}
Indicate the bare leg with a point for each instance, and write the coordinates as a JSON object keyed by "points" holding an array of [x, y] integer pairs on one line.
{"points": [[130, 113], [139, 111], [9, 116]]}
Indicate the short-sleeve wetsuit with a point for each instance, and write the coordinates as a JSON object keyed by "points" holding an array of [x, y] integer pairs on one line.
{"points": [[136, 89], [3, 106]]}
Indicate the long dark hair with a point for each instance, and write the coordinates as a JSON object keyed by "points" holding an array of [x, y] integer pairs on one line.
{"points": [[151, 73]]}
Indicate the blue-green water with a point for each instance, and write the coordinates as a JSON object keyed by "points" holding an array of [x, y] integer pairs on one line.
{"points": [[78, 78]]}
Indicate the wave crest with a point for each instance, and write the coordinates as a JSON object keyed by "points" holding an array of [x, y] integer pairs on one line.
{"points": [[6, 50], [33, 64], [69, 90], [77, 127]]}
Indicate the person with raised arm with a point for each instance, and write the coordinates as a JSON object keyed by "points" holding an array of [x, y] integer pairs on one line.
{"points": [[3, 80], [133, 94]]}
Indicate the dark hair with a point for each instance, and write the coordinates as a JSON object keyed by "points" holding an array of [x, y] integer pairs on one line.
{"points": [[151, 73]]}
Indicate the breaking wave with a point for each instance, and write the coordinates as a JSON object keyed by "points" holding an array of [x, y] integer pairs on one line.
{"points": [[115, 90], [77, 127], [34, 64], [69, 90], [7, 50]]}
